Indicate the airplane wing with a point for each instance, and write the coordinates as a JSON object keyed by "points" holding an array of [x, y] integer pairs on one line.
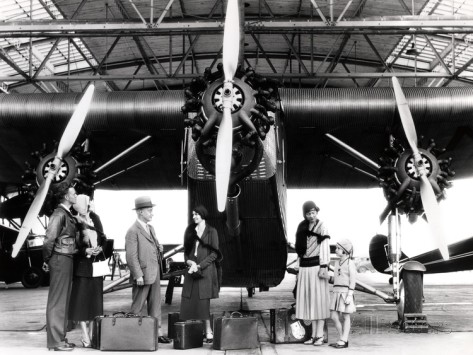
{"points": [[110, 129], [365, 120]]}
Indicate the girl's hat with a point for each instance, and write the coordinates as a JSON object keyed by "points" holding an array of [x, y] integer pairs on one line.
{"points": [[346, 245]]}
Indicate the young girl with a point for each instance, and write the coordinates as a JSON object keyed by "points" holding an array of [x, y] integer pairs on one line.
{"points": [[343, 288]]}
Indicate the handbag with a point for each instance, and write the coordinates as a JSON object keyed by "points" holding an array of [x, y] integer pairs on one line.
{"points": [[196, 275], [100, 268]]}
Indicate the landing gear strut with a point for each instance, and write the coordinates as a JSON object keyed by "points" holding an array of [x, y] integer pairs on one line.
{"points": [[408, 287]]}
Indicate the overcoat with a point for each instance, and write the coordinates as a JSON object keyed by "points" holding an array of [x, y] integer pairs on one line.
{"points": [[208, 285], [82, 264], [142, 254]]}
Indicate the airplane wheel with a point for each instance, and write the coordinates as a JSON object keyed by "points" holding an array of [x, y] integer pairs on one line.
{"points": [[411, 291], [32, 277]]}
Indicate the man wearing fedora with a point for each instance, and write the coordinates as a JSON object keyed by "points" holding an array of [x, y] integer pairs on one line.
{"points": [[144, 256]]}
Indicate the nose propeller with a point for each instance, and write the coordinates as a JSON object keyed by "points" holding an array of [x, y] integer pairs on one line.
{"points": [[67, 141], [231, 41], [429, 200]]}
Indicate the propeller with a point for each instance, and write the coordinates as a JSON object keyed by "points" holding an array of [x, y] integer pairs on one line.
{"points": [[67, 141], [429, 200], [231, 42]]}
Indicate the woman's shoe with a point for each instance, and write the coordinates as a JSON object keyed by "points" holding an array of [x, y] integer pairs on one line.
{"points": [[341, 346], [319, 341], [85, 344], [209, 337], [310, 341]]}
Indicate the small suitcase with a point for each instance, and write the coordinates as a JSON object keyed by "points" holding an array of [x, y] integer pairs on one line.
{"points": [[188, 334], [125, 332], [173, 317], [235, 332], [285, 328]]}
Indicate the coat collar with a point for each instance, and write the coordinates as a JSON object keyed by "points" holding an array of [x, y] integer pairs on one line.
{"points": [[144, 233]]}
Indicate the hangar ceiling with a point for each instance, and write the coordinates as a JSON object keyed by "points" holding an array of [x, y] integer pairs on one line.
{"points": [[61, 45]]}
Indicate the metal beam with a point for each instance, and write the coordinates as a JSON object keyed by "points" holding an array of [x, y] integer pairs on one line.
{"points": [[348, 76], [258, 44], [336, 58], [25, 76], [448, 24], [440, 59]]}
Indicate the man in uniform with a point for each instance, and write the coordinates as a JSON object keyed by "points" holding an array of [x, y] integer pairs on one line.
{"points": [[58, 253], [144, 256]]}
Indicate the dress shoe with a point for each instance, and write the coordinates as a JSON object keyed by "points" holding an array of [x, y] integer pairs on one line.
{"points": [[72, 345], [310, 341], [319, 341], [164, 340], [341, 346], [64, 347], [85, 344], [209, 337]]}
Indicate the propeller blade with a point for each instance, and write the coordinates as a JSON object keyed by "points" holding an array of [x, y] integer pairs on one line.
{"points": [[231, 39], [33, 212], [405, 115], [223, 158], [67, 141], [223, 154], [434, 215], [75, 123]]}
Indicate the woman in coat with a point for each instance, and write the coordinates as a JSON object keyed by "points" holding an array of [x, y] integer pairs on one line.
{"points": [[313, 249], [201, 282], [87, 291]]}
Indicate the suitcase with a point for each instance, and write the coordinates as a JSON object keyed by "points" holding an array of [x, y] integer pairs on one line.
{"points": [[285, 328], [235, 332], [125, 332], [188, 334], [172, 319]]}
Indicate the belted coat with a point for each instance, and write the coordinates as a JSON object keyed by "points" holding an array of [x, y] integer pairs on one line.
{"points": [[208, 285]]}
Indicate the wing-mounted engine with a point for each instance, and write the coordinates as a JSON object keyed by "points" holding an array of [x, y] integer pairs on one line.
{"points": [[400, 180], [75, 168], [253, 101]]}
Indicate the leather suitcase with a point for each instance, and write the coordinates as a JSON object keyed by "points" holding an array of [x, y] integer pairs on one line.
{"points": [[125, 332], [188, 334], [173, 317], [285, 328], [235, 332]]}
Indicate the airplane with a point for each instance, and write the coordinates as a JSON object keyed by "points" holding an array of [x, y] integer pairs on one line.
{"points": [[236, 140]]}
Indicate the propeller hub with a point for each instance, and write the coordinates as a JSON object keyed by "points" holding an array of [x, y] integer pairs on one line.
{"points": [[415, 167], [66, 170], [237, 102]]}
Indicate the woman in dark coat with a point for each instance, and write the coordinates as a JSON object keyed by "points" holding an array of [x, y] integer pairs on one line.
{"points": [[201, 283], [87, 291]]}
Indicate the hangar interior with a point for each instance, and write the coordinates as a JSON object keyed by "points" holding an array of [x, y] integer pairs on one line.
{"points": [[59, 46]]}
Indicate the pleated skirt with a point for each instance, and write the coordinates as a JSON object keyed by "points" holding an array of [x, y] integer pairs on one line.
{"points": [[194, 307], [86, 301], [313, 295], [337, 303]]}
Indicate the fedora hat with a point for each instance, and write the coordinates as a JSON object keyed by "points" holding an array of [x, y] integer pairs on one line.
{"points": [[143, 202]]}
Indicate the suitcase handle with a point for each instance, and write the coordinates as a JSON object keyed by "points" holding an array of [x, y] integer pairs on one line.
{"points": [[119, 314], [126, 315], [240, 315]]}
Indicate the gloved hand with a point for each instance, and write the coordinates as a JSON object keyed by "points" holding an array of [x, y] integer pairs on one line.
{"points": [[323, 273], [349, 299]]}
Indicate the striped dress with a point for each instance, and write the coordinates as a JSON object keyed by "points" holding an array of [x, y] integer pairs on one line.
{"points": [[313, 297]]}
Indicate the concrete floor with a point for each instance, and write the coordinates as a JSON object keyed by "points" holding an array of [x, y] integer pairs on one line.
{"points": [[448, 306]]}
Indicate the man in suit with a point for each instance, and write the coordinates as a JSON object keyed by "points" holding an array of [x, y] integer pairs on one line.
{"points": [[144, 256]]}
